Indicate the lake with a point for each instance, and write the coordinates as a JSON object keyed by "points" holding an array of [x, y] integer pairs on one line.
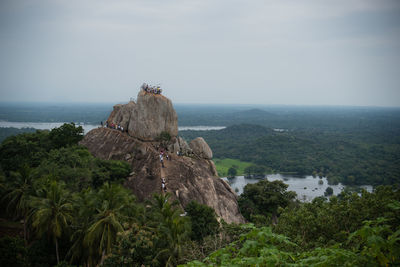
{"points": [[87, 127], [307, 188]]}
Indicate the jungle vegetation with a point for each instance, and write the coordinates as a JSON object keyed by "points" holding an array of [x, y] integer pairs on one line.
{"points": [[63, 207]]}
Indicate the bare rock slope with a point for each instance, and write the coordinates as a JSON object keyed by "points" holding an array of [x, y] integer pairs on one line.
{"points": [[191, 176]]}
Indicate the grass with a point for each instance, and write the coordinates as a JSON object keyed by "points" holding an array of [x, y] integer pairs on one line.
{"points": [[224, 164]]}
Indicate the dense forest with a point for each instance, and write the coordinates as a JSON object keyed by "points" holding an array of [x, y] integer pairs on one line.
{"points": [[351, 158], [60, 204], [63, 207]]}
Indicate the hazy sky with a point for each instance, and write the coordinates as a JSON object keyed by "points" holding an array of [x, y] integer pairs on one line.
{"points": [[339, 52]]}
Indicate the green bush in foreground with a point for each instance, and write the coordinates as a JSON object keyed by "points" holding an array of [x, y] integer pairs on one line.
{"points": [[372, 245]]}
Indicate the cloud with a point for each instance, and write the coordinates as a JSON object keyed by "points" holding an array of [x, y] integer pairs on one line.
{"points": [[286, 51]]}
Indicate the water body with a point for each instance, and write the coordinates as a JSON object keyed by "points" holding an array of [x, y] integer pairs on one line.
{"points": [[307, 188], [200, 128], [86, 127]]}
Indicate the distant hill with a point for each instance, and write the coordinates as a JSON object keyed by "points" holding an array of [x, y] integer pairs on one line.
{"points": [[255, 112], [240, 133], [361, 156]]}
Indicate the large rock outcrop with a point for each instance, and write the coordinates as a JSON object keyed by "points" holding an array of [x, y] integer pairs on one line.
{"points": [[191, 176], [146, 119]]}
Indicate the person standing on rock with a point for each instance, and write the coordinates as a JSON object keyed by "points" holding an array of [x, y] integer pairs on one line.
{"points": [[162, 160]]}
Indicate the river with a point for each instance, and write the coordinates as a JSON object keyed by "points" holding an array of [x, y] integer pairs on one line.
{"points": [[307, 188], [87, 127]]}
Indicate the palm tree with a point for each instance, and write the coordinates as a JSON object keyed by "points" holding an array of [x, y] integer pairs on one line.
{"points": [[112, 205], [173, 228], [52, 212], [84, 211], [18, 197]]}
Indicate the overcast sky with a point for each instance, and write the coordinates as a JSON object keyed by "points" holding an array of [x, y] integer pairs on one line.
{"points": [[341, 52]]}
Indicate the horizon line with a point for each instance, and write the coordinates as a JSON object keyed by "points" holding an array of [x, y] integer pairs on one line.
{"points": [[196, 103]]}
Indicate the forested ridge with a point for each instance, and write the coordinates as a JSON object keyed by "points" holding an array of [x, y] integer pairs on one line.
{"points": [[348, 157]]}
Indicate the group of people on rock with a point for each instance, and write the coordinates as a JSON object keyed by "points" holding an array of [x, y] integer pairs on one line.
{"points": [[151, 89], [162, 153], [113, 126], [162, 157]]}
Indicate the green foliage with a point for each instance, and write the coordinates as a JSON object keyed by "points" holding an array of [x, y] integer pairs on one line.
{"points": [[255, 171], [164, 137], [372, 245], [13, 252], [19, 195], [117, 169], [79, 169], [377, 242], [112, 203], [173, 230], [52, 212], [223, 166], [41, 253], [100, 222], [29, 149], [348, 155], [258, 247], [264, 198], [135, 247], [324, 222], [24, 150], [328, 191], [232, 172], [203, 220], [66, 135]]}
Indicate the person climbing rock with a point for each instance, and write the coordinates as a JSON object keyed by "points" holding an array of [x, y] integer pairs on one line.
{"points": [[163, 186], [162, 160]]}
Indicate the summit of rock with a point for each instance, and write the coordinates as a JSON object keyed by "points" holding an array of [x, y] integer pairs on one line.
{"points": [[151, 115]]}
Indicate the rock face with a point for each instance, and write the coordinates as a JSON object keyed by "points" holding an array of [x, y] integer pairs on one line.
{"points": [[148, 118], [192, 176], [201, 148], [122, 114]]}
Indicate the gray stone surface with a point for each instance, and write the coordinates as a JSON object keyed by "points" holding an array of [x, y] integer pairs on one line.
{"points": [[201, 148], [147, 118]]}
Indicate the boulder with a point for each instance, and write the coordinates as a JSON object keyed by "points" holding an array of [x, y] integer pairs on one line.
{"points": [[148, 118], [121, 114], [153, 114], [180, 145], [201, 148]]}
